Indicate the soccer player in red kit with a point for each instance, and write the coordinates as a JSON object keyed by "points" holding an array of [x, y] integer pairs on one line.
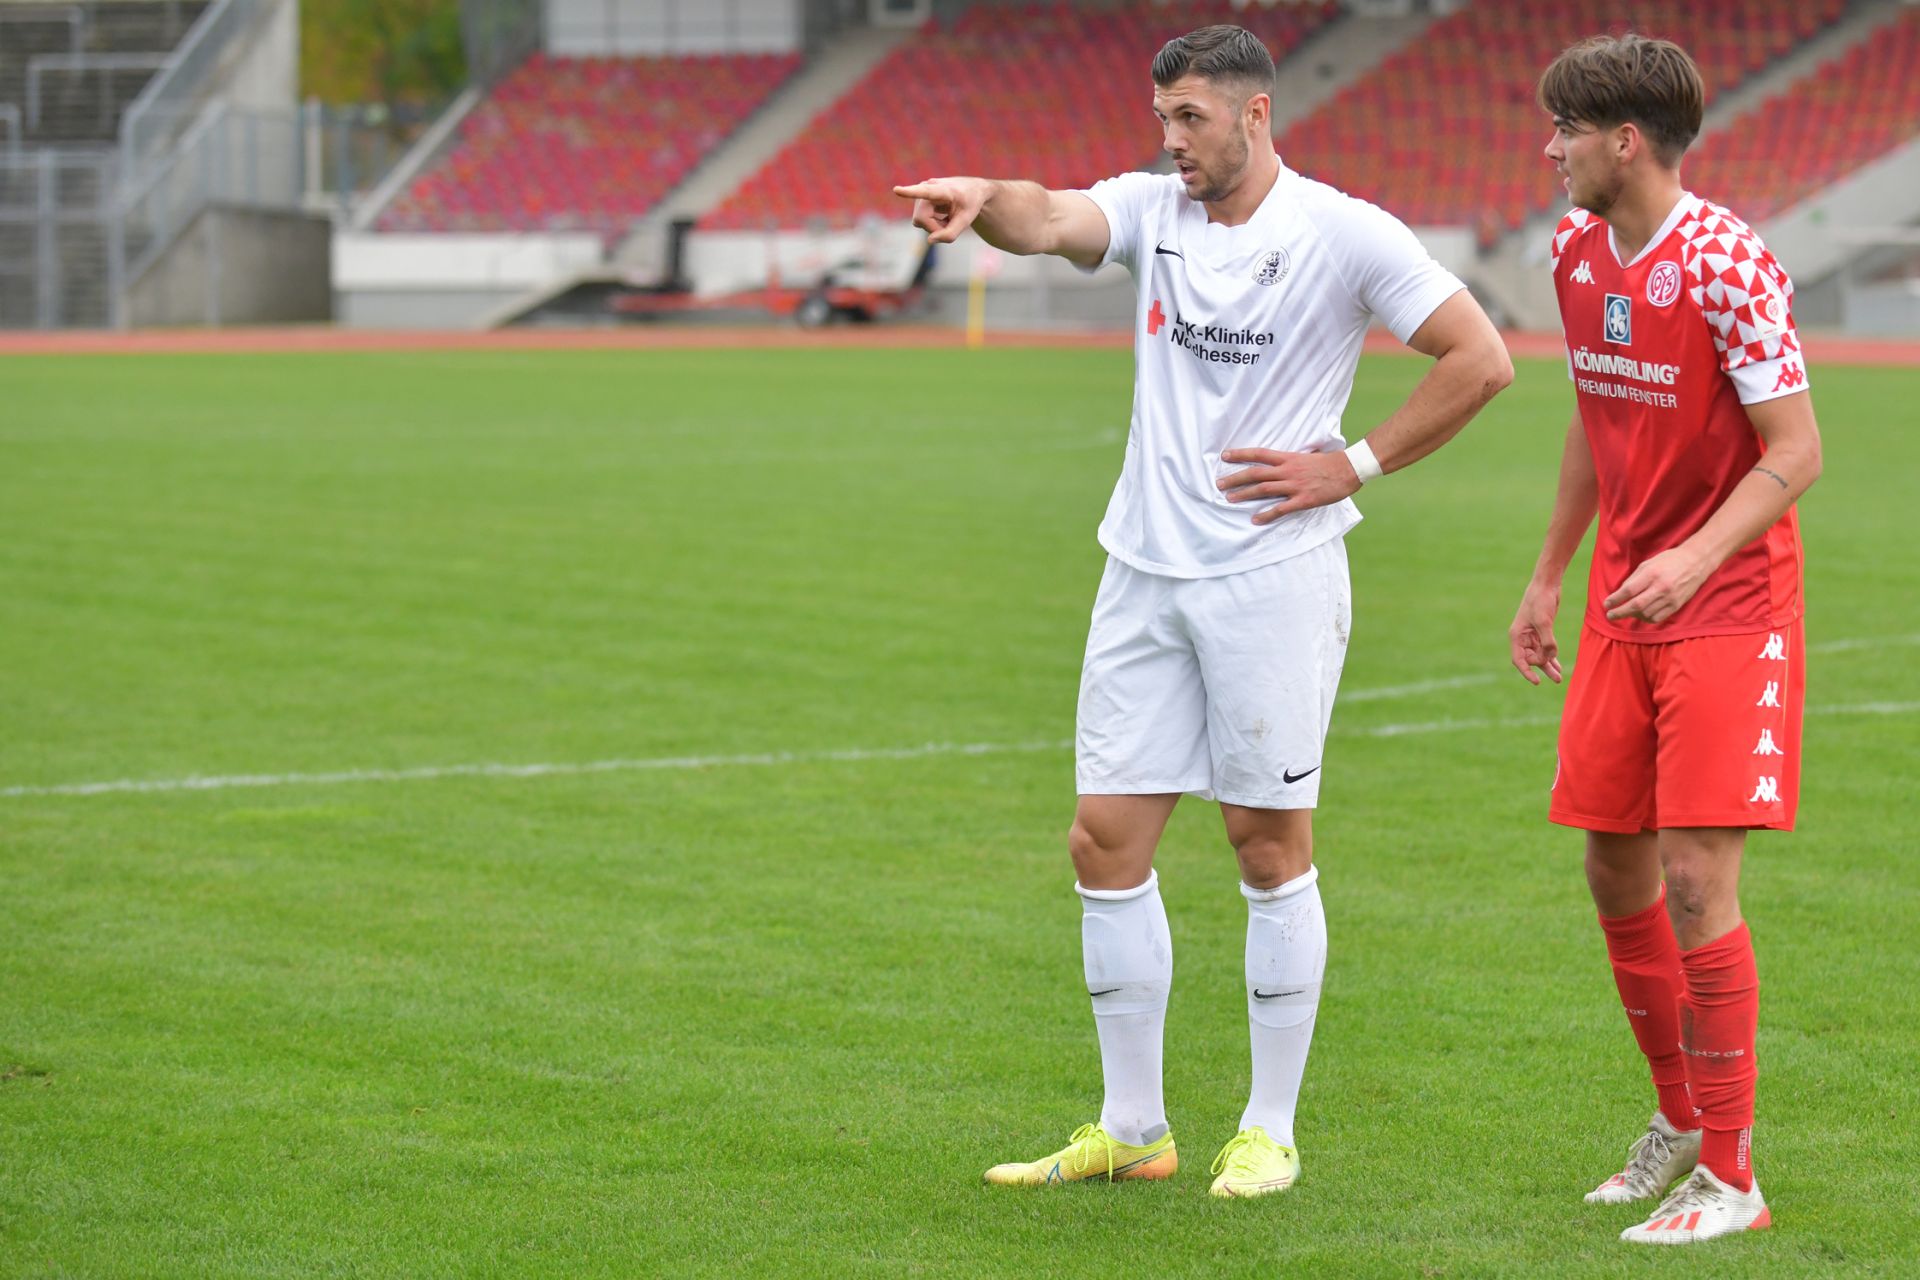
{"points": [[1693, 436]]}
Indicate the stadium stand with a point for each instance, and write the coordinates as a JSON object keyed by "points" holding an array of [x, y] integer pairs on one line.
{"points": [[1852, 110], [1446, 132], [1047, 92], [586, 144], [69, 70]]}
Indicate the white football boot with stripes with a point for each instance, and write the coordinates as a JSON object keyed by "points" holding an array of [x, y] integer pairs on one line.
{"points": [[1701, 1208], [1661, 1155]]}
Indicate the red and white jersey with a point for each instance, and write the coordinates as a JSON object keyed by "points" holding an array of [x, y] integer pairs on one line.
{"points": [[1665, 351]]}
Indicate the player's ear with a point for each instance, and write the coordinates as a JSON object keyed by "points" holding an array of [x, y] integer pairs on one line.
{"points": [[1259, 113], [1627, 142]]}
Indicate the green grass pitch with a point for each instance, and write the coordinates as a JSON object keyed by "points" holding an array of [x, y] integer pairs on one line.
{"points": [[772, 1014]]}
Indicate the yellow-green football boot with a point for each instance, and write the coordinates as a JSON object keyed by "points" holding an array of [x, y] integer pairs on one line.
{"points": [[1091, 1154], [1252, 1164]]}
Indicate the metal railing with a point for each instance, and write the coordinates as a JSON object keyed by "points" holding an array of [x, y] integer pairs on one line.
{"points": [[105, 64], [74, 16], [244, 158], [57, 232], [173, 95]]}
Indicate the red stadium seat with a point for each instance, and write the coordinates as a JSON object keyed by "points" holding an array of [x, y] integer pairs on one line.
{"points": [[1852, 110], [1044, 91], [585, 144], [1447, 132]]}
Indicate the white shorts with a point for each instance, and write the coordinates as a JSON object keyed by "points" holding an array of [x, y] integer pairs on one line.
{"points": [[1222, 687]]}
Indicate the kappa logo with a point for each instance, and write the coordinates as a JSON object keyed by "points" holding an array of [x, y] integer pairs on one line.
{"points": [[1582, 274], [1619, 318], [1767, 746], [1663, 284], [1765, 791], [1770, 696], [1273, 268], [1776, 648], [1791, 376]]}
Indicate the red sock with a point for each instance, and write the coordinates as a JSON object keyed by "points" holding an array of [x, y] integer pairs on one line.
{"points": [[1718, 1018], [1646, 969]]}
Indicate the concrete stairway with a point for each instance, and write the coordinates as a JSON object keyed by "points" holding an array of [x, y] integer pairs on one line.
{"points": [[1334, 58], [641, 257]]}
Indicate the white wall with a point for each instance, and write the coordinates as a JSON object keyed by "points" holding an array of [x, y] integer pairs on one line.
{"points": [[267, 73], [391, 260], [722, 262], [1819, 235], [629, 28]]}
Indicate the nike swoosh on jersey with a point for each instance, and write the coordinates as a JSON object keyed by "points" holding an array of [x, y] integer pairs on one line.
{"points": [[1288, 776], [1171, 253]]}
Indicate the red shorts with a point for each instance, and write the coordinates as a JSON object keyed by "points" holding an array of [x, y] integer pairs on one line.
{"points": [[1702, 732]]}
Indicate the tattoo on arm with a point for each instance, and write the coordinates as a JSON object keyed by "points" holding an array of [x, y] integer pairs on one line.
{"points": [[1776, 476]]}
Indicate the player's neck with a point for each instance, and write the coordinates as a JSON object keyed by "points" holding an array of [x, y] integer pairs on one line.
{"points": [[1641, 210], [1244, 201]]}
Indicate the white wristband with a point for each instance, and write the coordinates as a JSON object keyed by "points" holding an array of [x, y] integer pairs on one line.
{"points": [[1365, 465]]}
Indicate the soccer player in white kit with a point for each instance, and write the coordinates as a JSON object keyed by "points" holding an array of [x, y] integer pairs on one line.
{"points": [[1221, 622]]}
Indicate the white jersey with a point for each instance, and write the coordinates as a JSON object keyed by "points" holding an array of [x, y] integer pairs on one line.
{"points": [[1246, 338]]}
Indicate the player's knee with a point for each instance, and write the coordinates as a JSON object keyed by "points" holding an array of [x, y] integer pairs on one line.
{"points": [[1101, 860], [1693, 894], [1269, 858], [1621, 890]]}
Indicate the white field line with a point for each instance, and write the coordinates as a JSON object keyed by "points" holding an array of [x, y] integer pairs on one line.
{"points": [[1452, 726], [1529, 722], [1863, 642], [1409, 690], [774, 758], [537, 770]]}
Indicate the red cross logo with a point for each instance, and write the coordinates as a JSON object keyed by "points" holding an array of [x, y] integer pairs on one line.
{"points": [[1155, 318], [1790, 377]]}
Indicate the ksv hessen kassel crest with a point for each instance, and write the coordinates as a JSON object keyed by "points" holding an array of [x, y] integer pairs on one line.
{"points": [[1663, 284], [1273, 268]]}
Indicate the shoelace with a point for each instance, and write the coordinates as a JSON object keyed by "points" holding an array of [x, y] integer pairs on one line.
{"points": [[1646, 1155], [1082, 1141], [1239, 1142], [1695, 1193]]}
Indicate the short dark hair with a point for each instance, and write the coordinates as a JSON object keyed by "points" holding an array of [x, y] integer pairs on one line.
{"points": [[1224, 54], [1612, 80]]}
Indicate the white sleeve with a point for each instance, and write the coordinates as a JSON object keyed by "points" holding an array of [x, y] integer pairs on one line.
{"points": [[1388, 270], [1124, 202]]}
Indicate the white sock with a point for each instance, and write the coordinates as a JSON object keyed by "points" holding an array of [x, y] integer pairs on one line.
{"points": [[1286, 956], [1129, 967]]}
